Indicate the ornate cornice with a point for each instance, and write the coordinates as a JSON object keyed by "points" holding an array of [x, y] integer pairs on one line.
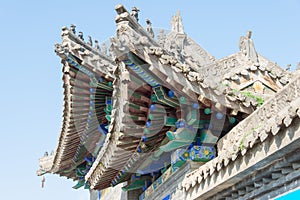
{"points": [[276, 114]]}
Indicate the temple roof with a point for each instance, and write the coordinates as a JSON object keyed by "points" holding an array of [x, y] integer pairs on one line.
{"points": [[138, 66], [76, 83], [237, 67], [277, 114], [188, 67]]}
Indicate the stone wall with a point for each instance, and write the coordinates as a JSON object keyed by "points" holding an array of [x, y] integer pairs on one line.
{"points": [[115, 193]]}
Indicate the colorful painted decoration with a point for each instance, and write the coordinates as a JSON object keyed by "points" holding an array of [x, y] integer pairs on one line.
{"points": [[171, 94], [153, 98], [178, 158], [148, 124], [100, 79], [152, 107], [180, 124], [191, 118], [168, 197], [232, 120], [78, 185], [134, 185], [207, 137], [86, 185], [182, 100], [165, 97], [201, 153], [108, 103], [180, 138], [219, 115], [92, 90], [103, 129], [141, 73], [195, 106], [170, 121], [139, 149], [207, 111]]}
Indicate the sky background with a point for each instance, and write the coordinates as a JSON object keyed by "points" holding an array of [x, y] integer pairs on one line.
{"points": [[31, 86]]}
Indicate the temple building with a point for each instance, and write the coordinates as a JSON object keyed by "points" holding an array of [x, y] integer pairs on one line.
{"points": [[151, 115]]}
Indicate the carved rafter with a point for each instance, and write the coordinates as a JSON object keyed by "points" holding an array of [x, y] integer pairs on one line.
{"points": [[95, 64], [118, 146]]}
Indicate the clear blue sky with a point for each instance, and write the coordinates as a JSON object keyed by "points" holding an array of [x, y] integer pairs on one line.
{"points": [[31, 86]]}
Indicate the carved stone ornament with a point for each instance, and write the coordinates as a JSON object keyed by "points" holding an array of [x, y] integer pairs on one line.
{"points": [[176, 23], [246, 46]]}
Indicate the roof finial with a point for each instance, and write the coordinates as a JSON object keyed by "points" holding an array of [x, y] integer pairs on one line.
{"points": [[97, 47], [176, 23], [80, 35], [149, 28], [135, 13], [90, 41], [73, 28], [104, 48], [246, 46]]}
